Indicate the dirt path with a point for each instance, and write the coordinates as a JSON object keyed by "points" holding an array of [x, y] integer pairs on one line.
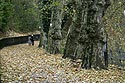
{"points": [[29, 64]]}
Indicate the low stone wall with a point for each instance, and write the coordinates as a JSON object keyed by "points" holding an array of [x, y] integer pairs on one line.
{"points": [[16, 40]]}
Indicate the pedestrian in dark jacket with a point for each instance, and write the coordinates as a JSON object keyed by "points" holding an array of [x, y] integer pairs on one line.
{"points": [[32, 40]]}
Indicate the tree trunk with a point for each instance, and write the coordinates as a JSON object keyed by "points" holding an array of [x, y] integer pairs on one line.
{"points": [[55, 30], [43, 39], [44, 18], [72, 39], [40, 41], [94, 34], [86, 30]]}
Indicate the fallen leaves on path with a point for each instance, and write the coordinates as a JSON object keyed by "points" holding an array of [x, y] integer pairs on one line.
{"points": [[29, 64]]}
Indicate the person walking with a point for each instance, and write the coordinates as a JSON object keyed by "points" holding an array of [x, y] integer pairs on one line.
{"points": [[29, 40], [32, 39]]}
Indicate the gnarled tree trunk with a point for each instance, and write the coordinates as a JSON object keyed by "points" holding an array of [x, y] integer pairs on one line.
{"points": [[87, 31]]}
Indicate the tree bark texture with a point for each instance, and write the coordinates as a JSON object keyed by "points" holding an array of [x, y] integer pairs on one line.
{"points": [[86, 30], [55, 35], [72, 39]]}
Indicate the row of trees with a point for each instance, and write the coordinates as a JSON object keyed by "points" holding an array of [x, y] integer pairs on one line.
{"points": [[75, 28], [79, 23]]}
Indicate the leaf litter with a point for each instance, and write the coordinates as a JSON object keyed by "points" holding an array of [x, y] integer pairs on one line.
{"points": [[29, 64]]}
